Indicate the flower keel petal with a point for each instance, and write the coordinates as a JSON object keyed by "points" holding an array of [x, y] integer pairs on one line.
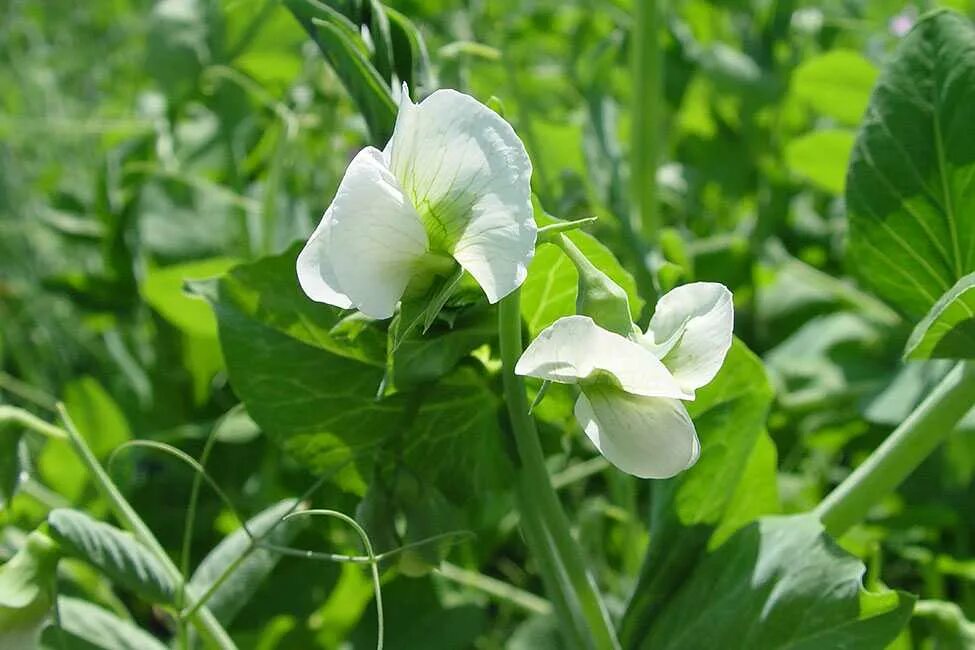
{"points": [[648, 437]]}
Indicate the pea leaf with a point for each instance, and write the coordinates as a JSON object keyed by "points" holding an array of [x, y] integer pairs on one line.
{"points": [[910, 186], [821, 157], [316, 396], [113, 552], [948, 330], [729, 414], [320, 407], [228, 599], [85, 626], [836, 83], [779, 583], [163, 290]]}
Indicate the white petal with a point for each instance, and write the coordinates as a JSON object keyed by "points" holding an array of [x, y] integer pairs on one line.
{"points": [[375, 237], [468, 175], [574, 348], [315, 273], [691, 330], [649, 437]]}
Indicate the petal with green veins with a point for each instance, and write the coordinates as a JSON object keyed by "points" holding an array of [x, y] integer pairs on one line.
{"points": [[468, 175]]}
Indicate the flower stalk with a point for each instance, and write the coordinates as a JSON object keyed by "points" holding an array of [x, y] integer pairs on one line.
{"points": [[902, 452], [540, 498]]}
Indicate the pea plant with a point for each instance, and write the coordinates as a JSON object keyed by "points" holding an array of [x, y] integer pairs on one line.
{"points": [[638, 326]]}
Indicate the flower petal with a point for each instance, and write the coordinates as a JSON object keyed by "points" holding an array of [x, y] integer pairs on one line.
{"points": [[315, 273], [468, 175], [574, 348], [691, 330], [648, 437], [374, 238]]}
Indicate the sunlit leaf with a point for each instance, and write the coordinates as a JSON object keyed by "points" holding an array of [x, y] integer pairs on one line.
{"points": [[821, 158], [836, 83], [948, 330], [779, 583], [729, 414], [910, 189]]}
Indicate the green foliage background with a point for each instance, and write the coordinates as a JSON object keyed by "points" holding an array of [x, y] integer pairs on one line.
{"points": [[158, 155]]}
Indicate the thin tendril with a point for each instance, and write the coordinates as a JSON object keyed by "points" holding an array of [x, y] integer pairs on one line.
{"points": [[373, 562]]}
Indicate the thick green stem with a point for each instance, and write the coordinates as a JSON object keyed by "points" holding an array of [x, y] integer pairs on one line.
{"points": [[204, 620], [537, 485], [900, 454], [646, 115]]}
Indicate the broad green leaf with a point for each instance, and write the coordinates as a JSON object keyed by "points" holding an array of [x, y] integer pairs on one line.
{"points": [[345, 52], [317, 398], [10, 469], [550, 290], [320, 407], [162, 288], [235, 592], [113, 552], [910, 190], [455, 442], [86, 626], [948, 331], [779, 583], [821, 158], [755, 495], [267, 291], [836, 83], [100, 421], [735, 466], [423, 357], [27, 583]]}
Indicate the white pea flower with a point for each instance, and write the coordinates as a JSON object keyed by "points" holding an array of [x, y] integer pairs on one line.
{"points": [[631, 391], [453, 183]]}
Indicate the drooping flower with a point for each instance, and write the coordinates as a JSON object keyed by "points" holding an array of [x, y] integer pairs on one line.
{"points": [[451, 186], [631, 390]]}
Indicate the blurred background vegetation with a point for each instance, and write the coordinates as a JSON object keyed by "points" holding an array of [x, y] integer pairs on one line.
{"points": [[144, 144]]}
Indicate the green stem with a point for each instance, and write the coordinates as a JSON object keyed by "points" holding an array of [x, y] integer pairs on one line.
{"points": [[30, 421], [573, 625], [537, 485], [497, 588], [646, 115], [204, 620], [901, 453]]}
